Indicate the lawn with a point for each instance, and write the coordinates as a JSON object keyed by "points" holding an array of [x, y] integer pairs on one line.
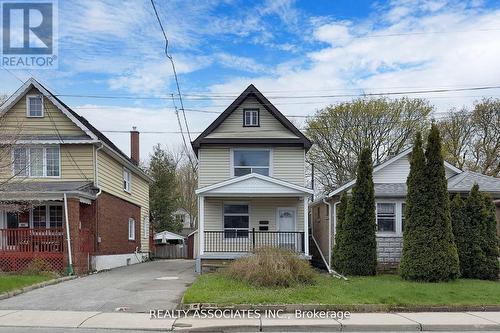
{"points": [[386, 290], [10, 282]]}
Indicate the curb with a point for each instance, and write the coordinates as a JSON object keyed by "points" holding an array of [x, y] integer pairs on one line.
{"points": [[288, 308], [23, 290]]}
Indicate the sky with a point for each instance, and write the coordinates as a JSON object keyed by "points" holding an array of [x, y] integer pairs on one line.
{"points": [[298, 53]]}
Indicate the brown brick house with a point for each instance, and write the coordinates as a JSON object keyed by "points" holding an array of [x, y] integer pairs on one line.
{"points": [[57, 170]]}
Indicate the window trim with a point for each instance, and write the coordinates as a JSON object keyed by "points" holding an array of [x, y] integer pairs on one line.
{"points": [[47, 216], [398, 217], [28, 161], [127, 189], [224, 203], [28, 115], [251, 110], [231, 158], [131, 236]]}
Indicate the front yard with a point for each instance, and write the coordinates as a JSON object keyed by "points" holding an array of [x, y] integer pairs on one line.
{"points": [[10, 282], [385, 290]]}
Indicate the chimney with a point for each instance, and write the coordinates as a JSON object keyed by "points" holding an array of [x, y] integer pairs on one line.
{"points": [[134, 145]]}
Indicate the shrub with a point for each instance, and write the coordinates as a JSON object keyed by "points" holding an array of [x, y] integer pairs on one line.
{"points": [[429, 251], [271, 267], [480, 259], [341, 209], [357, 247], [458, 217]]}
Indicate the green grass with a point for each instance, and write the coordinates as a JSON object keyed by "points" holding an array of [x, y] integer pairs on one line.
{"points": [[386, 290], [10, 282]]}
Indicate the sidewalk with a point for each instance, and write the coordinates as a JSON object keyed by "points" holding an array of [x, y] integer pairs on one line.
{"points": [[401, 322]]}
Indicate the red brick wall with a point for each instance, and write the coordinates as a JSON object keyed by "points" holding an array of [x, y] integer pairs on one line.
{"points": [[112, 225]]}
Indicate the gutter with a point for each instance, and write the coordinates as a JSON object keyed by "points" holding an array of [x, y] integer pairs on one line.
{"points": [[97, 171]]}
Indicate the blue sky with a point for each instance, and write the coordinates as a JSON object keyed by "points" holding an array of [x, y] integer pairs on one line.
{"points": [[286, 48]]}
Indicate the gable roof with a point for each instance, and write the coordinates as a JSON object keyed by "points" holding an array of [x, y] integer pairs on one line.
{"points": [[254, 183], [463, 182], [252, 91], [385, 164], [78, 120]]}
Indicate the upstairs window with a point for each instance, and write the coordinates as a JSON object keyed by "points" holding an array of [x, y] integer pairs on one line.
{"points": [[251, 118], [34, 105], [127, 180], [36, 162], [251, 161]]}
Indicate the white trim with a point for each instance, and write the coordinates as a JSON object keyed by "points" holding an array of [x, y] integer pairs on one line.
{"points": [[253, 175], [231, 158], [28, 162], [28, 104], [50, 142], [14, 98], [398, 217], [131, 235], [306, 225], [385, 164], [127, 180], [201, 220]]}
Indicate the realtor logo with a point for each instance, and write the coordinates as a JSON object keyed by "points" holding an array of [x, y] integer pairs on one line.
{"points": [[29, 34]]}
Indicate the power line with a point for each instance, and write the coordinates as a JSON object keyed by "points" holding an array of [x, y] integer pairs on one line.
{"points": [[169, 56], [386, 93]]}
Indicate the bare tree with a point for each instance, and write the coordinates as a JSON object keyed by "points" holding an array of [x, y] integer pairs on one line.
{"points": [[187, 182], [341, 131], [471, 138]]}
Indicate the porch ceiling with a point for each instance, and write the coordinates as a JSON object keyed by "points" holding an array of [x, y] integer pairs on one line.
{"points": [[253, 184], [46, 190]]}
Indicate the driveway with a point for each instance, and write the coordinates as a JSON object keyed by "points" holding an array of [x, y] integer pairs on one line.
{"points": [[138, 288]]}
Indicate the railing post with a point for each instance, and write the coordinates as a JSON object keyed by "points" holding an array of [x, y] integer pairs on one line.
{"points": [[253, 238], [303, 245]]}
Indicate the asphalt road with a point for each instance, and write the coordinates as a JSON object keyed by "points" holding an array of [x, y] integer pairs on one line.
{"points": [[136, 288]]}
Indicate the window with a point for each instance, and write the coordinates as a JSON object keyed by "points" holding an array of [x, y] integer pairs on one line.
{"points": [[251, 118], [386, 217], [131, 229], [39, 217], [251, 161], [127, 180], [36, 161], [34, 106], [146, 228], [236, 221], [56, 216]]}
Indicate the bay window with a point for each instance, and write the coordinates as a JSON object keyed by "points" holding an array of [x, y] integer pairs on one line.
{"points": [[247, 161], [236, 220], [36, 161]]}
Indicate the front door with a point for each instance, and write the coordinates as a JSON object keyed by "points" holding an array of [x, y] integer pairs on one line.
{"points": [[286, 227]]}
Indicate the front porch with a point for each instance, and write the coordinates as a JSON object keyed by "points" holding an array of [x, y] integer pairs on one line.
{"points": [[245, 213]]}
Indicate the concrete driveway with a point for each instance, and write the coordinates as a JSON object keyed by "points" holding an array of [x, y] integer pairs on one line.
{"points": [[138, 288]]}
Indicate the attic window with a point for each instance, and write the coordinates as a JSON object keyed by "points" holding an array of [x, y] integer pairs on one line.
{"points": [[251, 118], [34, 105]]}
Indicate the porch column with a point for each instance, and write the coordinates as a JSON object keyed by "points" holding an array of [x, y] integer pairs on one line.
{"points": [[306, 224], [201, 222]]}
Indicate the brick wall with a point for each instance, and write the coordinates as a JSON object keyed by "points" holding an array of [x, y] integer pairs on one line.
{"points": [[112, 227], [389, 252]]}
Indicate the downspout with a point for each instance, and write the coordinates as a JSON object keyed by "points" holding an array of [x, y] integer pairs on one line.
{"points": [[70, 264], [338, 275], [96, 183]]}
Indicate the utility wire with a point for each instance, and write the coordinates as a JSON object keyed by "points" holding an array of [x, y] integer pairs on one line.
{"points": [[169, 56]]}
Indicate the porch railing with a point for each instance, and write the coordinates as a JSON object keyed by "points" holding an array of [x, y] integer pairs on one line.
{"points": [[248, 240], [31, 240]]}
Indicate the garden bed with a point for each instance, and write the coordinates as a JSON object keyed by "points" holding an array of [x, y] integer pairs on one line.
{"points": [[379, 293], [10, 282]]}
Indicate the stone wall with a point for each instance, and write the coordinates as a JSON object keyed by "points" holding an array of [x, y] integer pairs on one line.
{"points": [[389, 252]]}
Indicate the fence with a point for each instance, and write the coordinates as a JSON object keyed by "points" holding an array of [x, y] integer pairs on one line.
{"points": [[171, 251]]}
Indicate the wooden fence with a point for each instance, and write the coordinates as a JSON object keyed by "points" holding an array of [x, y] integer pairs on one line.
{"points": [[171, 251]]}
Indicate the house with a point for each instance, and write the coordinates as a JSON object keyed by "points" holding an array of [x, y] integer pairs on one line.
{"points": [[184, 217], [389, 180], [251, 182], [62, 179]]}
